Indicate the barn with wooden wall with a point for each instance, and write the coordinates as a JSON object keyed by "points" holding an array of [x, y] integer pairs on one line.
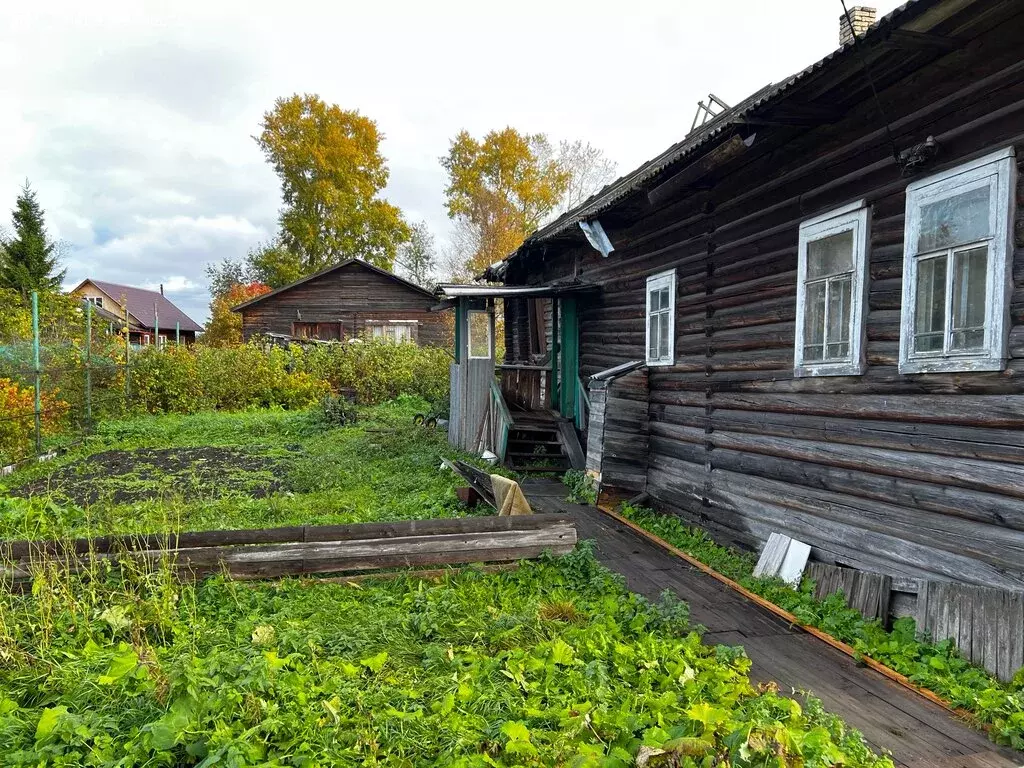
{"points": [[351, 299], [917, 475]]}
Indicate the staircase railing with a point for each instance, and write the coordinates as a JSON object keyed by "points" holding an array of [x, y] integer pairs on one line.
{"points": [[501, 422], [583, 411]]}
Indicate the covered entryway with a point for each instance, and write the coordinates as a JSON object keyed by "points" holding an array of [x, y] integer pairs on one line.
{"points": [[525, 402]]}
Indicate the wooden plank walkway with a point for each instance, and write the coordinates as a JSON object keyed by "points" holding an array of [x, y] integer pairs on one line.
{"points": [[914, 730]]}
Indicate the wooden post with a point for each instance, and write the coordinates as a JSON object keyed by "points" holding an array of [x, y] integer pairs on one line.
{"points": [[127, 354], [156, 325], [37, 410], [177, 334], [554, 394], [88, 366]]}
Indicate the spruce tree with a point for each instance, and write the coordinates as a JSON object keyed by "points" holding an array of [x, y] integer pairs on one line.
{"points": [[29, 260]]}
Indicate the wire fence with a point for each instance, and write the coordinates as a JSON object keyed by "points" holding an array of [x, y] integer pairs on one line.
{"points": [[63, 367]]}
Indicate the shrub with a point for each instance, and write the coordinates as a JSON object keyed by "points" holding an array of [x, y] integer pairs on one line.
{"points": [[167, 381], [17, 404]]}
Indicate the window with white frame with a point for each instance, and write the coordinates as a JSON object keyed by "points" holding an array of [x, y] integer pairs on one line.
{"points": [[96, 301], [397, 331], [956, 268], [661, 312], [830, 294]]}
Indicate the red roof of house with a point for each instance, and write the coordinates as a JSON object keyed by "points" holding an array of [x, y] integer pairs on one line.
{"points": [[144, 304]]}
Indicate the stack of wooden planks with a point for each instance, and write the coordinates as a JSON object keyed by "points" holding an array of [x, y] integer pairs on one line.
{"points": [[292, 551]]}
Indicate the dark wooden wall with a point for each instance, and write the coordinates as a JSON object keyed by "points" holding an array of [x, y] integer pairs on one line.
{"points": [[917, 476], [350, 295]]}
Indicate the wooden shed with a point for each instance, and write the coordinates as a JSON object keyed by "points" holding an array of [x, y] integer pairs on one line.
{"points": [[351, 299], [813, 310]]}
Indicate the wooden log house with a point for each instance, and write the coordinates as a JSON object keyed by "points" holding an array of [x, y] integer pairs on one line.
{"points": [[807, 316], [351, 299]]}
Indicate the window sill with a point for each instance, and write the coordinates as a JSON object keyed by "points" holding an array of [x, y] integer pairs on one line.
{"points": [[828, 369], [952, 365], [660, 363]]}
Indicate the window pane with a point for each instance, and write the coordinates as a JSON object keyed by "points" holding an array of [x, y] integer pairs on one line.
{"points": [[663, 351], [830, 255], [955, 220], [814, 322], [479, 334], [969, 273], [930, 314], [839, 318], [653, 325]]}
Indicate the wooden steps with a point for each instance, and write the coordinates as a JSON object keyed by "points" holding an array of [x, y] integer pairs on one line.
{"points": [[536, 444]]}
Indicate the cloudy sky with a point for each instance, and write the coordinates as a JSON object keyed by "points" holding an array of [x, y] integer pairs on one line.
{"points": [[134, 120]]}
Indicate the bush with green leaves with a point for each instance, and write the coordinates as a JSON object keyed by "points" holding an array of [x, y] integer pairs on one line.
{"points": [[937, 666], [552, 664]]}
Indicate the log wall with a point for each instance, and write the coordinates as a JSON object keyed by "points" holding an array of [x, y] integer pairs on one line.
{"points": [[350, 296], [915, 476]]}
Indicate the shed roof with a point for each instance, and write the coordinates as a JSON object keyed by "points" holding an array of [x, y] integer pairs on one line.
{"points": [[327, 271], [144, 304]]}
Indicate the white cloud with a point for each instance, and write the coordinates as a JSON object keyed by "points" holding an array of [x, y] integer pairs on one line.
{"points": [[134, 118]]}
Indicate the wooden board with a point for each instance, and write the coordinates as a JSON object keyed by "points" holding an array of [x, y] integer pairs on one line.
{"points": [[868, 593], [325, 549], [987, 625]]}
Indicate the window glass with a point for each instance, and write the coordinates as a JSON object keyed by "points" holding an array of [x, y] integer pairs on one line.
{"points": [[814, 322], [479, 334], [930, 320], [956, 220], [663, 320], [830, 255], [838, 328], [654, 333], [969, 304]]}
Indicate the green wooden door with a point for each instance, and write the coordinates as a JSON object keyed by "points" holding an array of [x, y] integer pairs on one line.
{"points": [[569, 358]]}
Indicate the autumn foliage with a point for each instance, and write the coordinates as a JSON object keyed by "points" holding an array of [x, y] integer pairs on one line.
{"points": [[17, 423], [225, 326]]}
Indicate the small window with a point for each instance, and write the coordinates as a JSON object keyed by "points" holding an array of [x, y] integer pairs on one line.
{"points": [[96, 301], [661, 312], [479, 334], [396, 331], [830, 294], [956, 273]]}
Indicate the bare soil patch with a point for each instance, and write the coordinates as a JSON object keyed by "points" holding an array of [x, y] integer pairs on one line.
{"points": [[122, 477]]}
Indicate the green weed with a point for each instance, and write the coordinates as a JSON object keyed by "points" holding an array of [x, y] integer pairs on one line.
{"points": [[552, 664], [937, 666]]}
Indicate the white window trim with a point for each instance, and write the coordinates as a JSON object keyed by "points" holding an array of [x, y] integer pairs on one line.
{"points": [[661, 280], [853, 217], [1001, 167]]}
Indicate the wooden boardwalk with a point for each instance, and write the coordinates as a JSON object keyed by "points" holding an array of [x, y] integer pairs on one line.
{"points": [[914, 730]]}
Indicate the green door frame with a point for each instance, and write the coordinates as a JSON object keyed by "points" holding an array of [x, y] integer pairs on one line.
{"points": [[569, 349]]}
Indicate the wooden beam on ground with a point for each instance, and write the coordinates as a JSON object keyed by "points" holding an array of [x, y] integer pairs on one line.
{"points": [[322, 549]]}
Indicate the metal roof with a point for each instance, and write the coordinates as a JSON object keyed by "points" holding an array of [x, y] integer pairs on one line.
{"points": [[735, 116], [144, 304], [328, 270], [463, 290]]}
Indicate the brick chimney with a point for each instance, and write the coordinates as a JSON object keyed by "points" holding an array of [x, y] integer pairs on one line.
{"points": [[862, 16], [161, 289]]}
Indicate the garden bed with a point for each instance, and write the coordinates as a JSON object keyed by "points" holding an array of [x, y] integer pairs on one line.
{"points": [[235, 470]]}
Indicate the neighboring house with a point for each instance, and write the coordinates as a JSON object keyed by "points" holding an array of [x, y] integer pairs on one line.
{"points": [[351, 299], [812, 318], [149, 312]]}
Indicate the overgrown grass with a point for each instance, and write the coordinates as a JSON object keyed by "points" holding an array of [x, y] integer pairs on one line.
{"points": [[553, 664], [305, 472], [937, 666]]}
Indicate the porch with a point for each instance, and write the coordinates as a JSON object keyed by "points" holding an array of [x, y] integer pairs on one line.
{"points": [[527, 405]]}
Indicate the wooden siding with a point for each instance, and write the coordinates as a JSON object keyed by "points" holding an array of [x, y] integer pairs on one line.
{"points": [[618, 433], [350, 296], [916, 476]]}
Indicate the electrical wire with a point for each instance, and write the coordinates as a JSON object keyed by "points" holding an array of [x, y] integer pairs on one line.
{"points": [[871, 82]]}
